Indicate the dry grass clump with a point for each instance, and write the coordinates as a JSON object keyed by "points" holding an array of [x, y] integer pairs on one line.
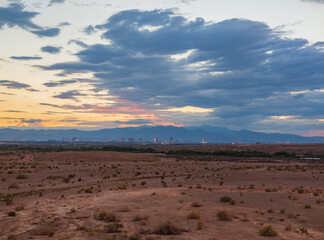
{"points": [[21, 176], [139, 218], [135, 236], [124, 209], [196, 204], [167, 228], [200, 225], [268, 231], [288, 227], [193, 215], [224, 215], [19, 208], [113, 227], [307, 206], [107, 217], [46, 232], [225, 199]]}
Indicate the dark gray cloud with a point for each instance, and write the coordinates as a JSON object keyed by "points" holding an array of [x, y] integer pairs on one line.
{"points": [[241, 67], [89, 30], [51, 49], [31, 120], [135, 122], [13, 84], [315, 1], [78, 42], [62, 24], [16, 85], [52, 2], [69, 95], [49, 32], [59, 83], [25, 58], [14, 15], [14, 111]]}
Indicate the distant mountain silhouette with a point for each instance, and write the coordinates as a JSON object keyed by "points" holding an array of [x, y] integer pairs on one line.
{"points": [[212, 134]]}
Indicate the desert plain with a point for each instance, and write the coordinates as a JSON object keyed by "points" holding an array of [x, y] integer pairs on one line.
{"points": [[125, 195]]}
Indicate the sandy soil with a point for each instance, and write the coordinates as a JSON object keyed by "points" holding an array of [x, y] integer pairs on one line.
{"points": [[68, 195]]}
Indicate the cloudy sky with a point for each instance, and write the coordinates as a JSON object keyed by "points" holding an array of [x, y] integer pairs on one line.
{"points": [[92, 64]]}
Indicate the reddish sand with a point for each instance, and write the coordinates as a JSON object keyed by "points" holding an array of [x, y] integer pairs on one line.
{"points": [[157, 188]]}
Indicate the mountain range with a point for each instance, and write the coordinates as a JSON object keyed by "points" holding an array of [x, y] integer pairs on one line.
{"points": [[211, 134]]}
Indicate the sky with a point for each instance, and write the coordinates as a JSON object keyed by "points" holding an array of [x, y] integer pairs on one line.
{"points": [[93, 64]]}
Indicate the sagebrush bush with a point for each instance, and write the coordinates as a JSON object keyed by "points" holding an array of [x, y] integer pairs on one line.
{"points": [[224, 215], [135, 236], [196, 204], [107, 217], [113, 227], [167, 228], [193, 215], [268, 231], [21, 176], [225, 198]]}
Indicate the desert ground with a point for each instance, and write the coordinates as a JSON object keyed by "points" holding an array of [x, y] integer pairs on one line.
{"points": [[117, 195]]}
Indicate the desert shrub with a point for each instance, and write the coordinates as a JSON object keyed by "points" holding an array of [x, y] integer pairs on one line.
{"points": [[268, 231], [283, 210], [124, 209], [122, 187], [143, 183], [13, 185], [288, 227], [8, 198], [307, 206], [73, 210], [135, 236], [66, 180], [225, 198], [47, 232], [72, 175], [303, 230], [3, 179], [53, 177], [300, 190], [316, 194], [200, 225], [167, 228], [193, 215], [113, 227], [11, 214], [271, 189], [21, 176], [19, 208], [88, 190], [224, 215], [196, 204], [138, 218], [107, 217]]}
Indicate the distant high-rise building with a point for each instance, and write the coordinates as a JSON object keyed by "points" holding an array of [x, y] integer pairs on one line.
{"points": [[122, 139], [155, 140], [131, 140], [203, 141], [141, 140]]}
